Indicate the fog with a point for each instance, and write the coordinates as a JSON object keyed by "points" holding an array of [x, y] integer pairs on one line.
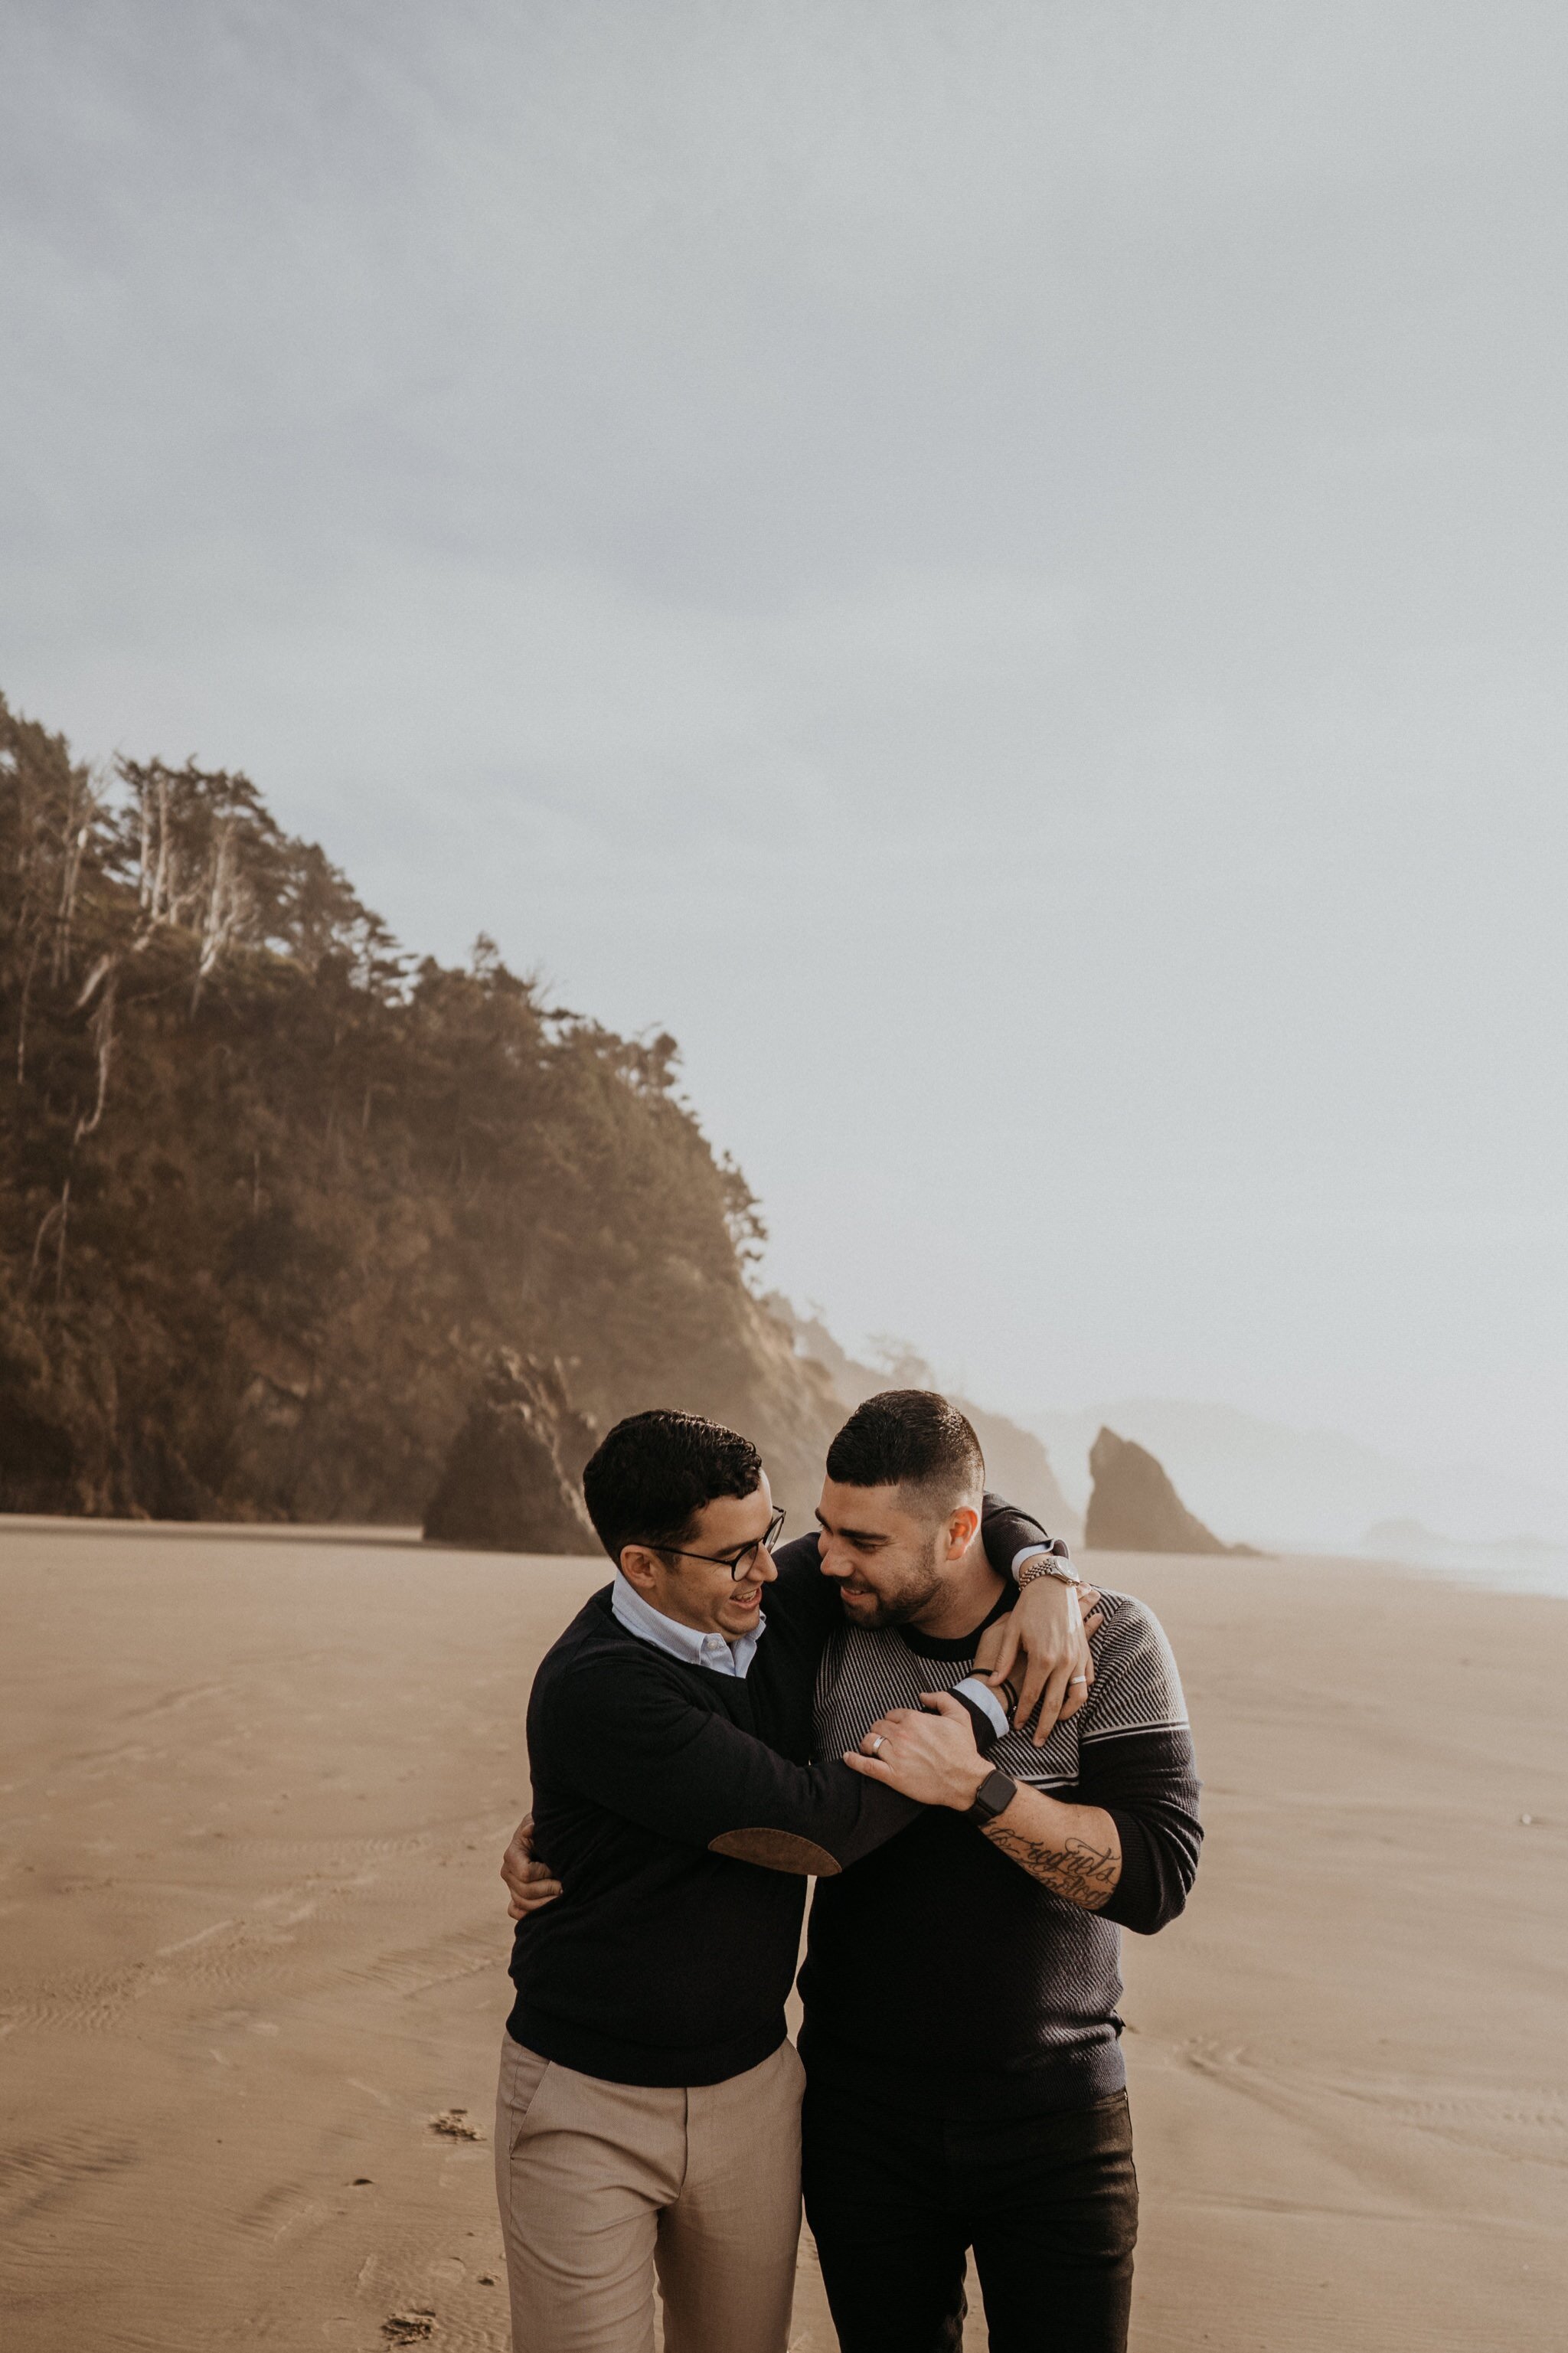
{"points": [[1000, 570]]}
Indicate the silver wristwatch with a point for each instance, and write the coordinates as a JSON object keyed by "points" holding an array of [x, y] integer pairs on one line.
{"points": [[1047, 1564]]}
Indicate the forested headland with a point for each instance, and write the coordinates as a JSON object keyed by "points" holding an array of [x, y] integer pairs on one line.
{"points": [[273, 1192]]}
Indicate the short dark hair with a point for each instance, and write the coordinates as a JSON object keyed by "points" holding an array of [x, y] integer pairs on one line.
{"points": [[652, 1475], [908, 1438]]}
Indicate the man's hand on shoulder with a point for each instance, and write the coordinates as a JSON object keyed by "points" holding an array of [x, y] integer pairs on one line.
{"points": [[529, 1882], [932, 1758], [1049, 1627]]}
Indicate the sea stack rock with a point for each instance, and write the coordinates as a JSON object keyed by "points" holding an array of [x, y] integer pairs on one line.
{"points": [[1134, 1508], [511, 1481]]}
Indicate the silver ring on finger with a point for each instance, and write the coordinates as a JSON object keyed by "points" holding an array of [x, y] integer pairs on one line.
{"points": [[1079, 1679], [880, 1743]]}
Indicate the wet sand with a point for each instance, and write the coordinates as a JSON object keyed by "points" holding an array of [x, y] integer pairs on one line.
{"points": [[254, 1789]]}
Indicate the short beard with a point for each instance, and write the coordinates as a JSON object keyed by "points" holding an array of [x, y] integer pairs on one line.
{"points": [[897, 1609]]}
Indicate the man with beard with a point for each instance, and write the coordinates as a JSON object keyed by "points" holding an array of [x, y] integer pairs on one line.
{"points": [[965, 2086], [648, 2114]]}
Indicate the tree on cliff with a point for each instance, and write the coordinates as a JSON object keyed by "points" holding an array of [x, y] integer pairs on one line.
{"points": [[272, 1195]]}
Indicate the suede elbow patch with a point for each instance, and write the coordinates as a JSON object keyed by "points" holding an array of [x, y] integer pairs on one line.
{"points": [[776, 1851]]}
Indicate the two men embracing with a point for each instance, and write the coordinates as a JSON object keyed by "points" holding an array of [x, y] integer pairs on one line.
{"points": [[988, 1770]]}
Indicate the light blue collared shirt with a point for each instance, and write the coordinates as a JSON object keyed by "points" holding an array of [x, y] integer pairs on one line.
{"points": [[697, 1650]]}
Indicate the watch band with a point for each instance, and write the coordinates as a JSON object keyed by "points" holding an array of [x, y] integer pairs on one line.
{"points": [[1047, 1564], [993, 1797]]}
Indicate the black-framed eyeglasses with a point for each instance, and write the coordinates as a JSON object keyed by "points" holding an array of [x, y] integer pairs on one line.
{"points": [[741, 1562]]}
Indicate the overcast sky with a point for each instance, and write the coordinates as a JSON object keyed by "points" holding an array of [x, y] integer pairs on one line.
{"points": [[1000, 569]]}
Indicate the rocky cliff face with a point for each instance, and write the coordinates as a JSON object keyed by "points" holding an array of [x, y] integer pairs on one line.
{"points": [[512, 1481], [1133, 1506], [273, 1193]]}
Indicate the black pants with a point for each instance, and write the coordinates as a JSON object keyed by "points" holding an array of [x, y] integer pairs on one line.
{"points": [[1049, 2204]]}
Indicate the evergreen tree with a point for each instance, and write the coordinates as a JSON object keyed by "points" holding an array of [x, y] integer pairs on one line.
{"points": [[271, 1195]]}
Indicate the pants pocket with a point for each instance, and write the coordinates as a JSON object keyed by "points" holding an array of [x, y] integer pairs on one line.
{"points": [[521, 2074]]}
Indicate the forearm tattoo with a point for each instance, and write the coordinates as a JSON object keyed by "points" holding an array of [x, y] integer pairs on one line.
{"points": [[1078, 1871]]}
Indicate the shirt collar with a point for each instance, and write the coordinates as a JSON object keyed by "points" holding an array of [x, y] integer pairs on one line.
{"points": [[697, 1650]]}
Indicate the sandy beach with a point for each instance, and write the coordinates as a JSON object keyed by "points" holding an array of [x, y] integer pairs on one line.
{"points": [[255, 1786]]}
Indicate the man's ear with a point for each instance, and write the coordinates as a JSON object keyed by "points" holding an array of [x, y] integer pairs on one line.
{"points": [[638, 1567], [963, 1526]]}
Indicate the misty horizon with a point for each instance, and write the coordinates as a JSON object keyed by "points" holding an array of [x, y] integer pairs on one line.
{"points": [[1001, 583], [710, 717]]}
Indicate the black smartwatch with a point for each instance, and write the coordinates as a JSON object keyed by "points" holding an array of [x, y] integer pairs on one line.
{"points": [[993, 1797]]}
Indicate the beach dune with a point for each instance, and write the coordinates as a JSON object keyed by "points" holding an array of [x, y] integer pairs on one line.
{"points": [[255, 1786]]}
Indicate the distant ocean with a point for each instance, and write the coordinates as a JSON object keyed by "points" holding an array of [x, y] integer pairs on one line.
{"points": [[1548, 1575], [1517, 1565]]}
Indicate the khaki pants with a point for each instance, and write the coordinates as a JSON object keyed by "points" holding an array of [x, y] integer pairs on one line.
{"points": [[603, 2184]]}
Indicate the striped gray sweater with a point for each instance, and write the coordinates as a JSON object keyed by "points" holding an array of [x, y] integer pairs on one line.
{"points": [[939, 1974]]}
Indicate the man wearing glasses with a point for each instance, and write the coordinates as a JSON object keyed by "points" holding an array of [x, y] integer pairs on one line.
{"points": [[648, 2114]]}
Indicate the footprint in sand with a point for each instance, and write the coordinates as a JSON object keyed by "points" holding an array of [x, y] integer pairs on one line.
{"points": [[454, 2123]]}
